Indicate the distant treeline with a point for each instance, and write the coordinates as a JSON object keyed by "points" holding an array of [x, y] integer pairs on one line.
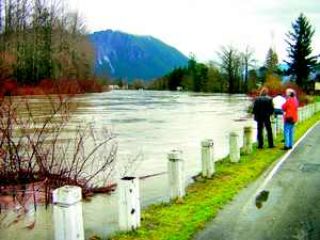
{"points": [[235, 76], [41, 40], [237, 72]]}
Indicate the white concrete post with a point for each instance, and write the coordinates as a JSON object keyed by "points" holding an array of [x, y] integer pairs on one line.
{"points": [[30, 215], [280, 124], [129, 204], [176, 174], [300, 114], [247, 140], [312, 109], [67, 213], [309, 111], [304, 115], [305, 112], [207, 158], [274, 128], [234, 147]]}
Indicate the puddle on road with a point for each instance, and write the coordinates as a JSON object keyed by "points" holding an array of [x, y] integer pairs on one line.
{"points": [[261, 198], [310, 167]]}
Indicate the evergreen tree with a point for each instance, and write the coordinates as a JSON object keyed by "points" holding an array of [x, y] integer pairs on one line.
{"points": [[200, 78], [299, 50], [175, 78], [216, 83], [253, 79], [271, 61]]}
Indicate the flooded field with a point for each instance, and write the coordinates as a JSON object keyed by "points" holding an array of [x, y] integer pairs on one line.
{"points": [[146, 125]]}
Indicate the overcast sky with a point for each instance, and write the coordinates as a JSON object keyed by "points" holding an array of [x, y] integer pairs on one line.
{"points": [[203, 26]]}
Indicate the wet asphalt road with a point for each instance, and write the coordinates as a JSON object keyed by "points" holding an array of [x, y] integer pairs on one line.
{"points": [[288, 206]]}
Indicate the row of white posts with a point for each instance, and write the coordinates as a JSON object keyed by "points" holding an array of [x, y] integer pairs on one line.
{"points": [[68, 223], [67, 210], [308, 111], [304, 113]]}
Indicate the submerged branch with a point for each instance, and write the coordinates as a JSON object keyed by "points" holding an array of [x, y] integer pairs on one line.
{"points": [[32, 149]]}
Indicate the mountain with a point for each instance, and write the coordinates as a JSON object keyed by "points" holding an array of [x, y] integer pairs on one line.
{"points": [[129, 57]]}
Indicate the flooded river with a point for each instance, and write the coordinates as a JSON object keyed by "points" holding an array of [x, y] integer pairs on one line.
{"points": [[147, 125]]}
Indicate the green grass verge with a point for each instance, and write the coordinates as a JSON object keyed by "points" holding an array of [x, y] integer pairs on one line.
{"points": [[181, 220]]}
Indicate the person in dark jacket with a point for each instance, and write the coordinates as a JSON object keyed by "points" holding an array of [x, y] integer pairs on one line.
{"points": [[262, 110]]}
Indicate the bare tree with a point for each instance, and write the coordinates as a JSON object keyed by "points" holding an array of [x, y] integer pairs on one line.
{"points": [[230, 63], [33, 148], [247, 62], [1, 15], [30, 35]]}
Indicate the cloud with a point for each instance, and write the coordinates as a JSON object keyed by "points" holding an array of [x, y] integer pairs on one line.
{"points": [[202, 27]]}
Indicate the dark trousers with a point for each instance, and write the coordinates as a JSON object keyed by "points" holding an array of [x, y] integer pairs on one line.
{"points": [[265, 123]]}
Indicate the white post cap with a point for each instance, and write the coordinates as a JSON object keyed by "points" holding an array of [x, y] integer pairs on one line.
{"points": [[207, 143], [175, 155], [247, 128], [67, 195], [234, 134]]}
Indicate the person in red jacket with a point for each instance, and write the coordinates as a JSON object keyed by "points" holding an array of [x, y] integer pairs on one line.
{"points": [[290, 109]]}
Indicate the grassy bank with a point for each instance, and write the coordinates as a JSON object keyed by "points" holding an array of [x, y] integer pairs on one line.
{"points": [[181, 220]]}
